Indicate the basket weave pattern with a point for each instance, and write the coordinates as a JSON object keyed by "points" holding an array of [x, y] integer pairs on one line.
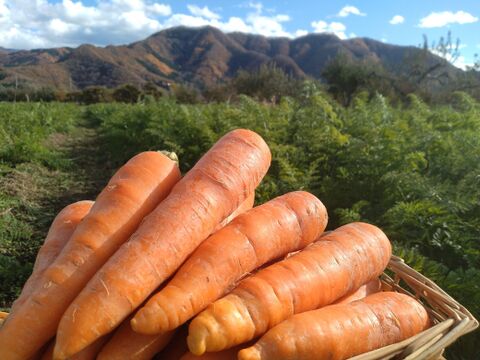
{"points": [[450, 319]]}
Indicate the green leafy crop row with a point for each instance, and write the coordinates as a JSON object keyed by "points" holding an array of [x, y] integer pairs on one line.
{"points": [[412, 169]]}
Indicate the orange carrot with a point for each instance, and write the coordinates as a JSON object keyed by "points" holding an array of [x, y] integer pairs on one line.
{"points": [[228, 354], [369, 288], [323, 272], [270, 231], [338, 332], [175, 348], [244, 206], [89, 353], [3, 317], [59, 233], [127, 344], [222, 179], [131, 194]]}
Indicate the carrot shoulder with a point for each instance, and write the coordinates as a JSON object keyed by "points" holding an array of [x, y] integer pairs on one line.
{"points": [[287, 223], [58, 235], [130, 195], [221, 180], [342, 331], [325, 271]]}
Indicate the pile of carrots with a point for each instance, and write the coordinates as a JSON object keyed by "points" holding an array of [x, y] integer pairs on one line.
{"points": [[185, 267]]}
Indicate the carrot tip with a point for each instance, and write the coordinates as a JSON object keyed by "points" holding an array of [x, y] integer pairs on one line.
{"points": [[150, 321], [250, 353], [197, 343]]}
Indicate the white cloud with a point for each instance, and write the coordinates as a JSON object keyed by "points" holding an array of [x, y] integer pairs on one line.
{"points": [[350, 10], [26, 24], [204, 12], [440, 19], [397, 19], [160, 9], [300, 32], [462, 63], [336, 28]]}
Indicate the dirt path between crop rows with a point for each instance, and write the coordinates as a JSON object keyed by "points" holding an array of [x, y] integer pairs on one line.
{"points": [[89, 170]]}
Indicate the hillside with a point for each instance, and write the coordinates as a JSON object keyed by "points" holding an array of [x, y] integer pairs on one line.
{"points": [[201, 56]]}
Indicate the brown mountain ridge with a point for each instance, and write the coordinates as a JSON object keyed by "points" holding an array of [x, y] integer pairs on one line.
{"points": [[200, 56]]}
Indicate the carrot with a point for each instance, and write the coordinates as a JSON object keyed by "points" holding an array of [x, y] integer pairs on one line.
{"points": [[341, 331], [3, 316], [244, 206], [228, 354], [369, 288], [89, 353], [127, 344], [323, 272], [175, 348], [222, 179], [59, 233], [132, 193], [284, 224]]}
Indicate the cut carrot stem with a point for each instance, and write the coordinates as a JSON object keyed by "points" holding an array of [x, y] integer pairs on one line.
{"points": [[270, 231], [338, 332], [133, 192], [323, 272], [221, 180]]}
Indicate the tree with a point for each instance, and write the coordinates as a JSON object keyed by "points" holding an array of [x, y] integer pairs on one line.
{"points": [[185, 94], [268, 83], [94, 95], [126, 93]]}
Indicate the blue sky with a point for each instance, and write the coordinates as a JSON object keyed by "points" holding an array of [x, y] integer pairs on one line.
{"points": [[49, 23]]}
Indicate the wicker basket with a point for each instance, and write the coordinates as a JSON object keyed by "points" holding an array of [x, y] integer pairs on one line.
{"points": [[451, 320]]}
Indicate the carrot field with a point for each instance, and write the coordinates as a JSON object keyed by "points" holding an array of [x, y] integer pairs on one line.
{"points": [[411, 168]]}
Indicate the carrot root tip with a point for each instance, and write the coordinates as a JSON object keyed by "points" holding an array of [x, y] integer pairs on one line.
{"points": [[197, 343], [250, 353], [150, 322]]}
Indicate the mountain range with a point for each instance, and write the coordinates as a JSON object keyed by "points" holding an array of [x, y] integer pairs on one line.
{"points": [[199, 56]]}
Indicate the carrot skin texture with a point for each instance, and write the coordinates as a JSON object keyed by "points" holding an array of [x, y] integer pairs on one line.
{"points": [[58, 235], [221, 180], [133, 192], [228, 354], [341, 331], [328, 269], [127, 344], [287, 223], [89, 353], [363, 291], [244, 206]]}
